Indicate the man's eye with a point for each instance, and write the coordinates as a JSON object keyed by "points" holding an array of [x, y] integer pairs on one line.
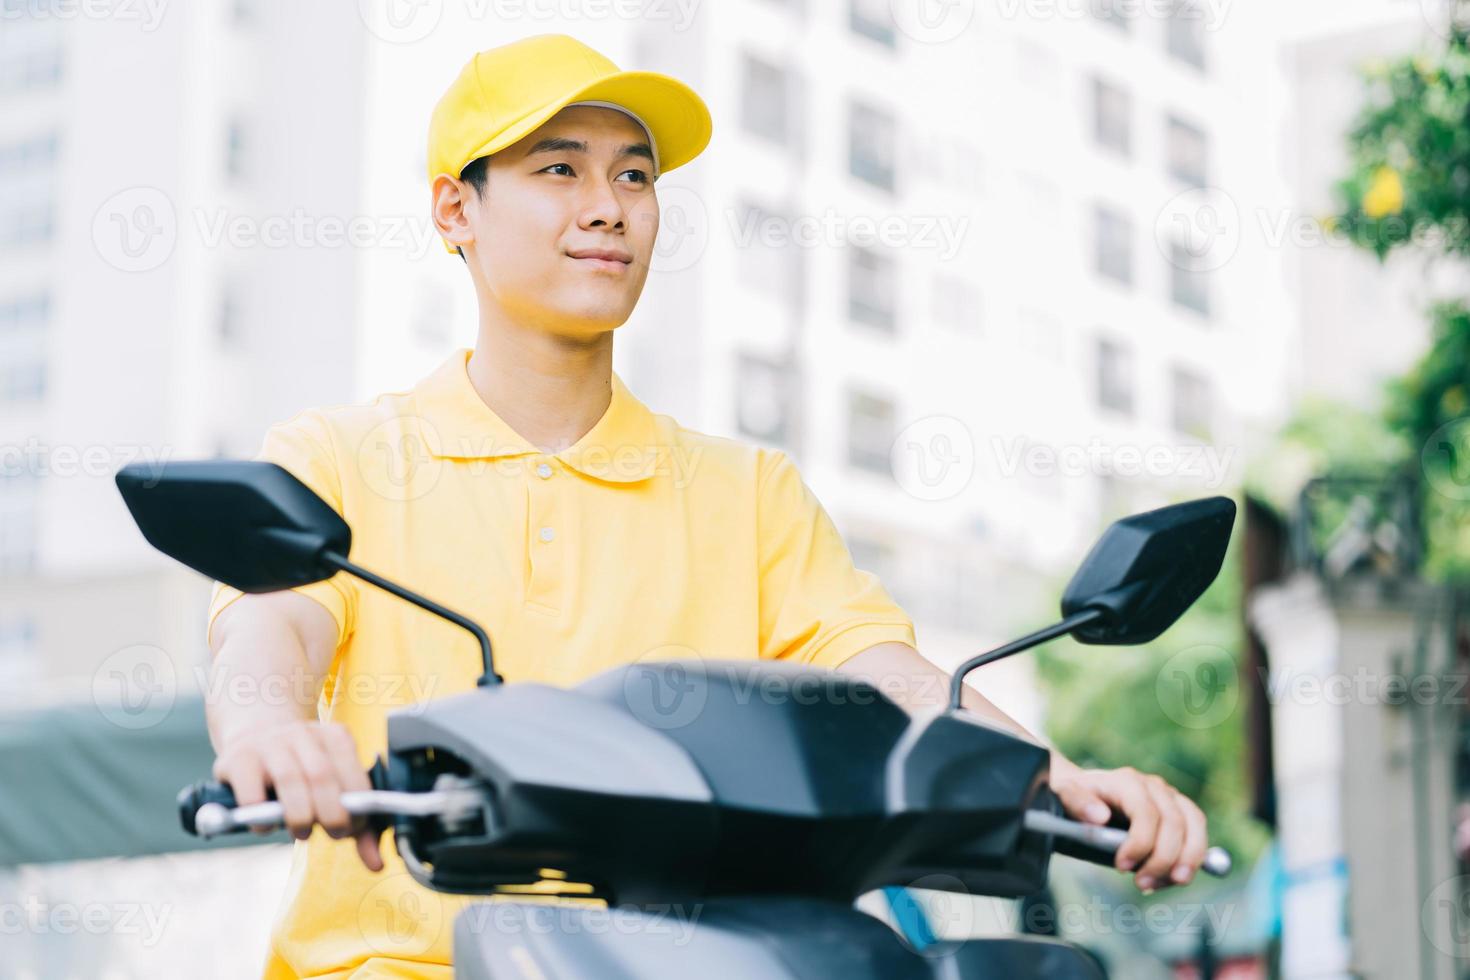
{"points": [[567, 165], [642, 176]]}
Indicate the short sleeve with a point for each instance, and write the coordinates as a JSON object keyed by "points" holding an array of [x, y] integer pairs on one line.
{"points": [[303, 446], [816, 607]]}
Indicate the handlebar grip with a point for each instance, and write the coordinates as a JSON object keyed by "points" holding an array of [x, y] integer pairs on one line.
{"points": [[191, 798], [1099, 845]]}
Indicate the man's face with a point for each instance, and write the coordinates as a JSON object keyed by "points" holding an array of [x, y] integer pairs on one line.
{"points": [[580, 183]]}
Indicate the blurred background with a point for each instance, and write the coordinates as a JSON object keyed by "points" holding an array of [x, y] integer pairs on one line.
{"points": [[995, 272]]}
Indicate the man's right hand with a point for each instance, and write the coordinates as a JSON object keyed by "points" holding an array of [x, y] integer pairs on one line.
{"points": [[309, 764]]}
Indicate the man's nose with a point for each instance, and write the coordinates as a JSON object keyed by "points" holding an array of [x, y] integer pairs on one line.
{"points": [[600, 207]]}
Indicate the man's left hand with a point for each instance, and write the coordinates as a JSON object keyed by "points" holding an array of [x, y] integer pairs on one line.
{"points": [[1167, 836]]}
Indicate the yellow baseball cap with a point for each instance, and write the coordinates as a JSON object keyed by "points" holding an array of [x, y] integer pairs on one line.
{"points": [[504, 93]]}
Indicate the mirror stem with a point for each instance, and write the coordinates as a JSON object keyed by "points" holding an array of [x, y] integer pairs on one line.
{"points": [[1072, 622], [489, 677]]}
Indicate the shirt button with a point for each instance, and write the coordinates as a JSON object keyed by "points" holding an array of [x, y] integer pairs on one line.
{"points": [[544, 471], [547, 534]]}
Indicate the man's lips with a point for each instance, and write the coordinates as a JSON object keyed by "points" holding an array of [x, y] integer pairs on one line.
{"points": [[602, 257]]}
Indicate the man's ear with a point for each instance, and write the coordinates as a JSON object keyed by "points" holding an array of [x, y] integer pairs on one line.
{"points": [[449, 198]]}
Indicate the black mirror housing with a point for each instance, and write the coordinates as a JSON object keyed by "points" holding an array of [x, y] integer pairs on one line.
{"points": [[1147, 569], [249, 524]]}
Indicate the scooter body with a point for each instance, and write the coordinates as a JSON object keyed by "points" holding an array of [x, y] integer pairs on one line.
{"points": [[729, 833], [760, 798], [773, 938]]}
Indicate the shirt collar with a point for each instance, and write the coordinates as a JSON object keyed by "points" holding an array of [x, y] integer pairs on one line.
{"points": [[623, 447]]}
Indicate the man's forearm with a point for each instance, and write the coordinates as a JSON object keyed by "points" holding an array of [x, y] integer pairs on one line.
{"points": [[259, 678], [917, 685]]}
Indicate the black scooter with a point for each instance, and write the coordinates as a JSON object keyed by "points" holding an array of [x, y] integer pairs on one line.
{"points": [[768, 796]]}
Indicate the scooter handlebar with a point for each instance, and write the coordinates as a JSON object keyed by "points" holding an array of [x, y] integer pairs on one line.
{"points": [[216, 800], [1099, 845]]}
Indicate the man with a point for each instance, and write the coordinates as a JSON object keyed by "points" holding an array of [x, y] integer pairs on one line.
{"points": [[522, 484]]}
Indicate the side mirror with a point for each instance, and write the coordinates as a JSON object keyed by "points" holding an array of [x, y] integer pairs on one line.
{"points": [[256, 527], [1147, 569], [250, 524]]}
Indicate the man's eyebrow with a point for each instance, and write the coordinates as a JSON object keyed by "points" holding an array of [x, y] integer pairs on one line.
{"points": [[561, 144]]}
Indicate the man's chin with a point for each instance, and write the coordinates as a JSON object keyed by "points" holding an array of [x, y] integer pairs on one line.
{"points": [[589, 321]]}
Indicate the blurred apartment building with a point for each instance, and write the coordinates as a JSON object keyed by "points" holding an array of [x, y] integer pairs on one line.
{"points": [[1010, 248]]}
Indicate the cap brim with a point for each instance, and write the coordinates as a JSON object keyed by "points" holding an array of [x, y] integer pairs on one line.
{"points": [[674, 113]]}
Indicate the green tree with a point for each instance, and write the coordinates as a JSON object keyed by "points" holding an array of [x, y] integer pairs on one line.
{"points": [[1408, 186]]}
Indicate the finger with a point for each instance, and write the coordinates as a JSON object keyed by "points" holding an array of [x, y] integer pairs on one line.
{"points": [[241, 770], [1196, 841], [1124, 790], [1168, 838], [286, 778], [1082, 803], [341, 749], [369, 850], [320, 777]]}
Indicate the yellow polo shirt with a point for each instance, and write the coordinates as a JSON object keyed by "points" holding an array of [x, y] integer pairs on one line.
{"points": [[643, 541]]}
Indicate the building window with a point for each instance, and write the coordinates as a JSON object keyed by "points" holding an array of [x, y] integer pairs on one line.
{"points": [[1114, 254], [767, 259], [20, 660], [1191, 404], [28, 191], [770, 102], [30, 60], [1114, 377], [956, 302], [872, 140], [872, 287], [227, 326], [18, 507], [764, 396], [1112, 113], [870, 432], [35, 155], [1186, 33], [1188, 153], [1113, 13], [235, 150], [23, 336], [1189, 282], [872, 19]]}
